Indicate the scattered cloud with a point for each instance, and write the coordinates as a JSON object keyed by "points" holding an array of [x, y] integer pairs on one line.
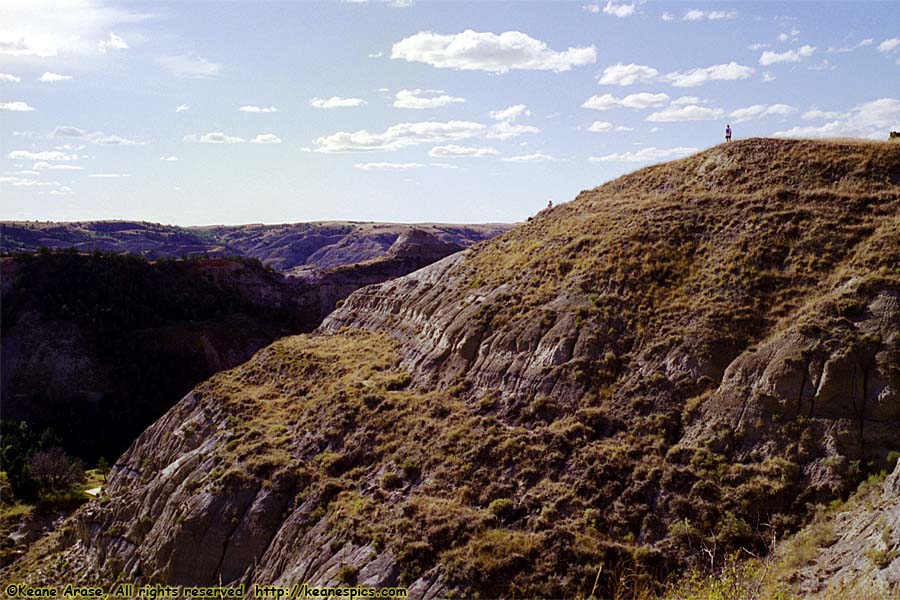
{"points": [[789, 36], [824, 65], [62, 190], [510, 113], [605, 127], [189, 66], [53, 77], [45, 155], [214, 137], [667, 16], [182, 108], [620, 74], [645, 155], [388, 166], [618, 10], [889, 45], [759, 111], [9, 78], [637, 101], [690, 112], [711, 15], [814, 114], [534, 157], [843, 49], [591, 8], [26, 182], [454, 151], [44, 165], [685, 100], [725, 72], [47, 28], [16, 106], [169, 158], [398, 136], [266, 138], [486, 51], [758, 46], [109, 175], [96, 137], [424, 99], [870, 120], [258, 109], [337, 102], [113, 43], [790, 56], [767, 77], [505, 130]]}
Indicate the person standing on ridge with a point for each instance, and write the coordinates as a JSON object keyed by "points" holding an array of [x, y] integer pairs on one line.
{"points": [[728, 133]]}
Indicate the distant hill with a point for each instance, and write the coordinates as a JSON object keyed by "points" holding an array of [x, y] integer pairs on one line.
{"points": [[315, 244]]}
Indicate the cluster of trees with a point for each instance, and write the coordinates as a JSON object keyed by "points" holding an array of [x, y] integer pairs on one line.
{"points": [[35, 467]]}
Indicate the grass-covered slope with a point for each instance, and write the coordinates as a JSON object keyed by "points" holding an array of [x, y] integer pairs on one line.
{"points": [[674, 366]]}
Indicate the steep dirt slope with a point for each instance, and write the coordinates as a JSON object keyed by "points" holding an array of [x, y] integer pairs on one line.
{"points": [[672, 366]]}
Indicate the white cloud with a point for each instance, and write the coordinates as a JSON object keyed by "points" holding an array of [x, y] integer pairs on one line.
{"points": [[25, 182], [9, 78], [759, 111], [618, 10], [758, 46], [53, 77], [620, 74], [16, 106], [869, 120], [770, 58], [638, 101], [96, 137], [188, 65], [258, 109], [388, 166], [169, 158], [605, 127], [444, 165], [214, 137], [62, 190], [43, 165], [843, 49], [645, 155], [814, 114], [684, 100], [46, 28], [789, 36], [399, 136], [767, 76], [45, 155], [486, 51], [690, 112], [725, 72], [113, 43], [376, 54], [182, 108], [712, 15], [535, 157], [108, 175], [510, 113], [889, 45], [824, 65], [505, 130], [591, 8], [337, 102], [454, 151], [266, 138], [424, 99]]}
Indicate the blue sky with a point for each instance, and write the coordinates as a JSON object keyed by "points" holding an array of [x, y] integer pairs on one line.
{"points": [[411, 111]]}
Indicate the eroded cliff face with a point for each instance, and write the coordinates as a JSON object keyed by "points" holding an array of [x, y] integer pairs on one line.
{"points": [[625, 382]]}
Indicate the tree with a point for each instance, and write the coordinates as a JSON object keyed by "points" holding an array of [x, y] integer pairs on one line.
{"points": [[54, 471]]}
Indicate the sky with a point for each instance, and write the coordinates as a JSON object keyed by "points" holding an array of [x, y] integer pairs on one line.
{"points": [[195, 112]]}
